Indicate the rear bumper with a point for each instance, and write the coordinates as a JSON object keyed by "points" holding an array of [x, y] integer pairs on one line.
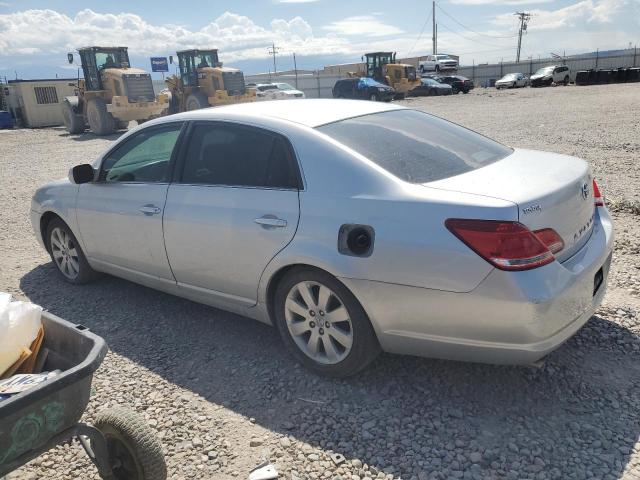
{"points": [[510, 318]]}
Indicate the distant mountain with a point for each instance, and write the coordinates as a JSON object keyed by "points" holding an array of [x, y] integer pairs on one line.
{"points": [[604, 53]]}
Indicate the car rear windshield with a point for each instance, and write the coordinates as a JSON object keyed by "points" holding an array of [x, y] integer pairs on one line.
{"points": [[415, 146]]}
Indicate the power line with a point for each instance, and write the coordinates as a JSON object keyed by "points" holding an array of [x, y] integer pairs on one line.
{"points": [[470, 29], [467, 38], [424, 25]]}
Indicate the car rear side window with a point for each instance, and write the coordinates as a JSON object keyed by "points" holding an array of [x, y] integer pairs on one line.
{"points": [[237, 155], [414, 146]]}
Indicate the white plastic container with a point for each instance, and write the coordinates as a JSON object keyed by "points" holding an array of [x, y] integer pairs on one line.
{"points": [[19, 326]]}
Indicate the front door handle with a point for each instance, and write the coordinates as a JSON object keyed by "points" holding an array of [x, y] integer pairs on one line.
{"points": [[150, 209], [271, 221]]}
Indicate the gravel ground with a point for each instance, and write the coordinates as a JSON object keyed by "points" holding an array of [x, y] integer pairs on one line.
{"points": [[223, 394]]}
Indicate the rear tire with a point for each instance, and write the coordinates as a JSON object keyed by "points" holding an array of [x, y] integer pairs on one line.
{"points": [[362, 344], [196, 101], [135, 453], [566, 80], [73, 122], [67, 255], [101, 121]]}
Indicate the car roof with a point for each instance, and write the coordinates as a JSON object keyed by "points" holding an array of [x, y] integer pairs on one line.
{"points": [[311, 112]]}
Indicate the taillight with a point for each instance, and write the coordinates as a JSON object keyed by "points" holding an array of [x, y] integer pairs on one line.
{"points": [[507, 245], [598, 200], [550, 238]]}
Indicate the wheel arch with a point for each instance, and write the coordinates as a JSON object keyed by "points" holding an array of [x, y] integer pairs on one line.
{"points": [[277, 276], [275, 279], [45, 219]]}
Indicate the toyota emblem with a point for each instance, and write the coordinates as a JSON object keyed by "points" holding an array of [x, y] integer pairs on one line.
{"points": [[585, 190]]}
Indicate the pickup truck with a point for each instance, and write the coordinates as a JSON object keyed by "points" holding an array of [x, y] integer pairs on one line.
{"points": [[437, 63]]}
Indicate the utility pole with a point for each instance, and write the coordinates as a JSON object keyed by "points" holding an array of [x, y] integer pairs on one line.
{"points": [[273, 51], [524, 19], [295, 68], [433, 37]]}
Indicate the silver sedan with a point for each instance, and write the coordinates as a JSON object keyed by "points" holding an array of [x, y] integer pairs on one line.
{"points": [[353, 227]]}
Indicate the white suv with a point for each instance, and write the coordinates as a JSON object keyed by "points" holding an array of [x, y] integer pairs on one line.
{"points": [[552, 74], [436, 63]]}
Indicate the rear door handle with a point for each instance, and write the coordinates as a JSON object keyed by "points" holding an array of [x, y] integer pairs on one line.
{"points": [[150, 209], [271, 221]]}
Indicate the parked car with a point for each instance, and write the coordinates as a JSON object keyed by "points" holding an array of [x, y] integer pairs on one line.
{"points": [[431, 86], [512, 80], [458, 83], [277, 91], [552, 74], [437, 63], [363, 88], [352, 226]]}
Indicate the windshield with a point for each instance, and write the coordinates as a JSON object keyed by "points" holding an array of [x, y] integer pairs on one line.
{"points": [[111, 59], [262, 88], [284, 86], [206, 59], [429, 81], [544, 70], [415, 146], [509, 76], [442, 57]]}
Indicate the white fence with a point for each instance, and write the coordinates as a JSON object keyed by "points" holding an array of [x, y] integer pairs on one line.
{"points": [[313, 86], [483, 75]]}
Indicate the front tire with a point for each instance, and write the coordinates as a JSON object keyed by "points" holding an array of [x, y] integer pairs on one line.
{"points": [[322, 324], [73, 122], [101, 121], [196, 101], [67, 255]]}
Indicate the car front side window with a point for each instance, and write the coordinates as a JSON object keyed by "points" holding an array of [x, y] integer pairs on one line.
{"points": [[142, 158]]}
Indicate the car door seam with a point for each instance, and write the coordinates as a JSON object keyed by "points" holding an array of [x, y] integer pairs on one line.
{"points": [[277, 253]]}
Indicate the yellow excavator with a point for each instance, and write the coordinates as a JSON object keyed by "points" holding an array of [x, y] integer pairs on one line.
{"points": [[204, 82], [382, 67], [111, 94]]}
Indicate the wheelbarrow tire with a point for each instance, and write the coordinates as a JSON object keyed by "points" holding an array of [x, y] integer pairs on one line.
{"points": [[135, 453]]}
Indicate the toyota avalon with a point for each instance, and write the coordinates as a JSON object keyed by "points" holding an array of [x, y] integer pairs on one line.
{"points": [[352, 227]]}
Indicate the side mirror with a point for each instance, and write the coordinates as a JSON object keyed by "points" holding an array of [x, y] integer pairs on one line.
{"points": [[70, 58], [82, 174]]}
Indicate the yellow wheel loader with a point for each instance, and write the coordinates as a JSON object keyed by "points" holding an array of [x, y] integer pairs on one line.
{"points": [[204, 82], [382, 67], [111, 93]]}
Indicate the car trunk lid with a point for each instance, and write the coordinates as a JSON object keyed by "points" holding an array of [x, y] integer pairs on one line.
{"points": [[551, 191]]}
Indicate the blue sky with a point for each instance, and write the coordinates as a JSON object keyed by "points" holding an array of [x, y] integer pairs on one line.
{"points": [[35, 35]]}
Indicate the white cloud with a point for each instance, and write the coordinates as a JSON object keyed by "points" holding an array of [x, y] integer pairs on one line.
{"points": [[296, 1], [362, 25], [4, 4], [47, 31], [579, 14]]}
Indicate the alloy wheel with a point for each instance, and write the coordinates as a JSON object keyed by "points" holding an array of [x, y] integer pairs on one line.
{"points": [[64, 253], [318, 322]]}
